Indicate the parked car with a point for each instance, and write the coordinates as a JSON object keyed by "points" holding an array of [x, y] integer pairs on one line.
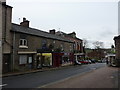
{"points": [[99, 61], [89, 61], [84, 61], [92, 61], [77, 62]]}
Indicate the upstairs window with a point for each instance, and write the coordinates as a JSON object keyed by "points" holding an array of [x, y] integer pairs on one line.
{"points": [[23, 43]]}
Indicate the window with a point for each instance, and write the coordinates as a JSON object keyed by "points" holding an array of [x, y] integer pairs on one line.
{"points": [[44, 44], [23, 43], [23, 59], [62, 47]]}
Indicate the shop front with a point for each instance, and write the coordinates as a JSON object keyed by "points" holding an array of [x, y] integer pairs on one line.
{"points": [[57, 59], [67, 59], [44, 60]]}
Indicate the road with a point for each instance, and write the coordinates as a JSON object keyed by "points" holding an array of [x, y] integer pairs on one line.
{"points": [[106, 77], [42, 79]]}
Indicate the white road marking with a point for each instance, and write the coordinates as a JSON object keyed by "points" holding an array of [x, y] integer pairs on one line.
{"points": [[3, 85]]}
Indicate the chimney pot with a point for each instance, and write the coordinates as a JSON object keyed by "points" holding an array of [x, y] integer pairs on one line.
{"points": [[52, 31], [24, 19], [25, 23]]}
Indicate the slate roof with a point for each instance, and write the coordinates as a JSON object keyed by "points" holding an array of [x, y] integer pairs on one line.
{"points": [[36, 32], [117, 37]]}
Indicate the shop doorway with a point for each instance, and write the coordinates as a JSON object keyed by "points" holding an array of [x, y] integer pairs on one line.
{"points": [[6, 63]]}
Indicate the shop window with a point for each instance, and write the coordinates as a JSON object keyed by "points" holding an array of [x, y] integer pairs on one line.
{"points": [[62, 49], [23, 59], [30, 60], [47, 59], [23, 43]]}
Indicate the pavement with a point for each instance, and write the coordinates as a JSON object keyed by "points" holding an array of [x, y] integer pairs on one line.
{"points": [[105, 77], [32, 71]]}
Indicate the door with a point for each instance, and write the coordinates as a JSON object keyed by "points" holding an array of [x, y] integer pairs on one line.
{"points": [[6, 63]]}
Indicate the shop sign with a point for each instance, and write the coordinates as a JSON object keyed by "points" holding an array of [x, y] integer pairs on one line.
{"points": [[38, 53], [46, 54]]}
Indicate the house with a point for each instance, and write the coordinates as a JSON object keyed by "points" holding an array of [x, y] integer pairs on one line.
{"points": [[117, 49], [26, 48], [117, 39], [6, 40], [78, 48], [97, 54]]}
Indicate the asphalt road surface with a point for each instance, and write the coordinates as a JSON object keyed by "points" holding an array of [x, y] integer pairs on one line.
{"points": [[106, 77], [47, 78]]}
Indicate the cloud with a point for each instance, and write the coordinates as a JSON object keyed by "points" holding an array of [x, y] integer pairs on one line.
{"points": [[107, 32]]}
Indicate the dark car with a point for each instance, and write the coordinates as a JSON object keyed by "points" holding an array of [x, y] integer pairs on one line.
{"points": [[92, 61]]}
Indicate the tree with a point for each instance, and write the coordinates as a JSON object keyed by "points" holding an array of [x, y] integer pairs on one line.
{"points": [[112, 46], [85, 43], [98, 44], [112, 49]]}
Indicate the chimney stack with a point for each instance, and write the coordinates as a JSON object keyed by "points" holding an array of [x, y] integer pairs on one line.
{"points": [[3, 2], [25, 23], [52, 31]]}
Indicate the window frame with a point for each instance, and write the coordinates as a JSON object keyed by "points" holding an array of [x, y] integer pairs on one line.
{"points": [[23, 43], [23, 61]]}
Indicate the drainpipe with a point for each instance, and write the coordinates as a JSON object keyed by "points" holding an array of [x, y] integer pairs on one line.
{"points": [[13, 67]]}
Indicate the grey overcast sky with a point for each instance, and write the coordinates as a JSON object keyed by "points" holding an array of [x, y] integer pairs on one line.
{"points": [[93, 20]]}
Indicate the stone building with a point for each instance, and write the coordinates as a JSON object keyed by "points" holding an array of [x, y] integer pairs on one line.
{"points": [[117, 39], [6, 36], [78, 48], [117, 49], [97, 54], [26, 48]]}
